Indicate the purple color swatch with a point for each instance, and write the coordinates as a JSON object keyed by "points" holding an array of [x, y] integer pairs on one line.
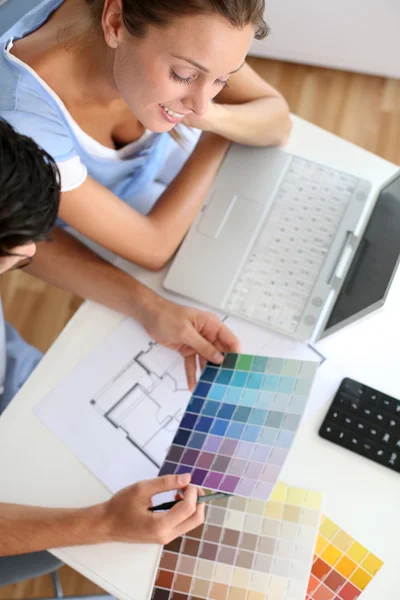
{"points": [[240, 424]]}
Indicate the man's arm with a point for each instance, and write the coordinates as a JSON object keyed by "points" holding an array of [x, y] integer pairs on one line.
{"points": [[31, 529], [125, 518], [69, 265]]}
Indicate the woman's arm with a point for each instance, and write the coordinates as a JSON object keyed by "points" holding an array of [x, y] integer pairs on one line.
{"points": [[248, 111], [146, 240], [251, 112]]}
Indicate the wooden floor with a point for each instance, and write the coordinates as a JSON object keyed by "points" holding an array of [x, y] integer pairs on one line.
{"points": [[362, 109]]}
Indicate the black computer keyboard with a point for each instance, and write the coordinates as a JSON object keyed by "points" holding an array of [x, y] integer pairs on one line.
{"points": [[366, 422]]}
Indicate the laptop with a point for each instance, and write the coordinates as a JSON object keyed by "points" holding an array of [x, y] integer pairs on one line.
{"points": [[290, 244]]}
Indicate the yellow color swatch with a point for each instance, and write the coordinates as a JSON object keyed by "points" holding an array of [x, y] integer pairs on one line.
{"points": [[328, 528], [279, 493], [331, 555], [252, 595], [345, 566], [295, 496], [313, 499], [360, 579], [372, 564], [357, 552], [346, 556], [236, 593], [320, 545], [240, 577], [342, 540], [274, 510]]}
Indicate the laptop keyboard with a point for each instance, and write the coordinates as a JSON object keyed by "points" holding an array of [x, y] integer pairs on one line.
{"points": [[282, 268]]}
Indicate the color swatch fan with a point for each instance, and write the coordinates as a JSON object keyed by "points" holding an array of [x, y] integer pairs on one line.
{"points": [[342, 568], [240, 424], [245, 550]]}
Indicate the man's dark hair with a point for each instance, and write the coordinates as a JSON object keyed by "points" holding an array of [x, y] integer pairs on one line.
{"points": [[29, 190]]}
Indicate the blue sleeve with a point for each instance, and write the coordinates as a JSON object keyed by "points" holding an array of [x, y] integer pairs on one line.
{"points": [[25, 105]]}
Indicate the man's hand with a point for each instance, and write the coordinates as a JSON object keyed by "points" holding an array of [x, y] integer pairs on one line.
{"points": [[124, 518], [129, 519], [65, 262], [192, 332]]}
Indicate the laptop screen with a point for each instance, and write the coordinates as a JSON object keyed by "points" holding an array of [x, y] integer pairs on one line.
{"points": [[375, 261]]}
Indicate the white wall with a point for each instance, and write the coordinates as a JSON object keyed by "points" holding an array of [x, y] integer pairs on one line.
{"points": [[356, 35]]}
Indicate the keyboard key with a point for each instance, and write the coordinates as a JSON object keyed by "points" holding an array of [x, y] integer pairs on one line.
{"points": [[379, 417], [394, 460], [382, 455], [386, 438], [343, 400], [343, 437], [393, 424], [330, 432], [387, 403], [368, 449], [368, 413], [335, 416], [348, 422], [354, 407], [372, 398], [352, 387], [354, 442], [361, 426], [373, 432]]}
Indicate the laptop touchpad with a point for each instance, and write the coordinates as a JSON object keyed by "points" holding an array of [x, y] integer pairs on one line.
{"points": [[218, 210]]}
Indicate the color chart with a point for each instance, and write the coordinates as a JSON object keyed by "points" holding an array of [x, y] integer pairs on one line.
{"points": [[246, 550], [342, 568], [240, 423]]}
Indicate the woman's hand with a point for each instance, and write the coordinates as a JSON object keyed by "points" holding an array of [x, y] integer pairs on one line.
{"points": [[206, 121], [127, 517], [247, 111], [192, 332]]}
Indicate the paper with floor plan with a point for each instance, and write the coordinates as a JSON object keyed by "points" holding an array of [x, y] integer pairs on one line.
{"points": [[119, 409]]}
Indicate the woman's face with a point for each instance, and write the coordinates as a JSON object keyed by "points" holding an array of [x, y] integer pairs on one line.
{"points": [[177, 70]]}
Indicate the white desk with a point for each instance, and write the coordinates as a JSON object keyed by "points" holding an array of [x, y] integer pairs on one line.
{"points": [[363, 497]]}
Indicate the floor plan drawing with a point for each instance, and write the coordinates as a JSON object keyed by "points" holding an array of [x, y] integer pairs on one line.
{"points": [[119, 408], [151, 389]]}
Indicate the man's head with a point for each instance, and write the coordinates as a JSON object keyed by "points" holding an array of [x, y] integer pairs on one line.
{"points": [[29, 196]]}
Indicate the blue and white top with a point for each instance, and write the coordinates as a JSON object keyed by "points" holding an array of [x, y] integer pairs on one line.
{"points": [[35, 110], [17, 361], [2, 353]]}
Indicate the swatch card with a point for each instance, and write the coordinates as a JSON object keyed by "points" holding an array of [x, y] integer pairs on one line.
{"points": [[240, 424], [246, 550], [342, 567]]}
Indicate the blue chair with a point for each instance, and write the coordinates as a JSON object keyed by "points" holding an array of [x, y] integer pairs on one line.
{"points": [[14, 569]]}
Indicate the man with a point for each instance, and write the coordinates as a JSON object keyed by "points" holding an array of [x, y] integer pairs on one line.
{"points": [[29, 197]]}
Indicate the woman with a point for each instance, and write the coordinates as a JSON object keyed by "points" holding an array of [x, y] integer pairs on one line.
{"points": [[98, 83]]}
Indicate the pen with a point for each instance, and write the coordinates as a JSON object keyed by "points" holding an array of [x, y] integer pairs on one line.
{"points": [[200, 499]]}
